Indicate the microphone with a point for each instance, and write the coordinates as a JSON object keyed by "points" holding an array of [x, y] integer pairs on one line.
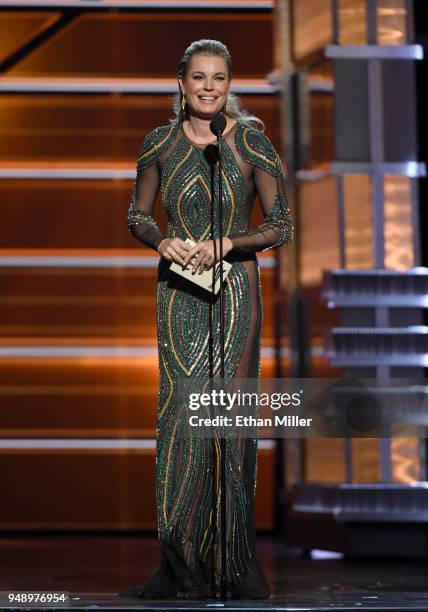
{"points": [[218, 124]]}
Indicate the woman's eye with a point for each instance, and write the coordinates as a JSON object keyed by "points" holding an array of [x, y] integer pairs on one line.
{"points": [[198, 77]]}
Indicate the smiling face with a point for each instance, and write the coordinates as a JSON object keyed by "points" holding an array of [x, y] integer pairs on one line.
{"points": [[206, 85]]}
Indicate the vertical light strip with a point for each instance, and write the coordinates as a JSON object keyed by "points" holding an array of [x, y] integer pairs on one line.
{"points": [[358, 221], [399, 254], [352, 22], [392, 22]]}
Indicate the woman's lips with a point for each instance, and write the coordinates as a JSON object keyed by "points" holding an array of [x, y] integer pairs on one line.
{"points": [[207, 100]]}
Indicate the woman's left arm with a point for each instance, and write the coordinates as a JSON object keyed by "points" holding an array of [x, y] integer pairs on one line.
{"points": [[277, 228]]}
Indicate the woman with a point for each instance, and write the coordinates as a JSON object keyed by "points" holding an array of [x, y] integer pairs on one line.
{"points": [[172, 159]]}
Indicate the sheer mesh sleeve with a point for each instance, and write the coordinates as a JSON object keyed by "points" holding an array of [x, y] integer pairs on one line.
{"points": [[141, 223], [277, 228]]}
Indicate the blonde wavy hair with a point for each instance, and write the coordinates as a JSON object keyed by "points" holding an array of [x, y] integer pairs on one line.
{"points": [[233, 107]]}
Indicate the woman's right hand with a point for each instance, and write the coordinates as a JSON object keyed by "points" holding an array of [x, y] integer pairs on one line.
{"points": [[173, 249]]}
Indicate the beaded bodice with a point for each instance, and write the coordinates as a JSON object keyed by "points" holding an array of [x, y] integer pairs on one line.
{"points": [[181, 170]]}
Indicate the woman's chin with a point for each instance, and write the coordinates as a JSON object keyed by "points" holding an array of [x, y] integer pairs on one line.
{"points": [[205, 113]]}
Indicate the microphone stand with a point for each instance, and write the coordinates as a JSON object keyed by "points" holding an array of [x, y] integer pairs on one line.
{"points": [[217, 127], [222, 377]]}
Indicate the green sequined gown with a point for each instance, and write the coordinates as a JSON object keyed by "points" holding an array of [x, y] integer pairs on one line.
{"points": [[187, 474]]}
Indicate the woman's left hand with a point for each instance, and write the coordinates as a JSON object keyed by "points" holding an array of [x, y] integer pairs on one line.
{"points": [[202, 254]]}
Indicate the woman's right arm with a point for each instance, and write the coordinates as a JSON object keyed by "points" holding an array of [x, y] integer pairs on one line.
{"points": [[141, 223]]}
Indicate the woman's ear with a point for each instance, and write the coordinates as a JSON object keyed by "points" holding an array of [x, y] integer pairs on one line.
{"points": [[180, 84]]}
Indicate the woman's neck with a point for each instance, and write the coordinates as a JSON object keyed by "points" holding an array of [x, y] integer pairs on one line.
{"points": [[199, 129]]}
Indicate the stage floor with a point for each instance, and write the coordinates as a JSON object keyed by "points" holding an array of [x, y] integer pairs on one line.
{"points": [[93, 569]]}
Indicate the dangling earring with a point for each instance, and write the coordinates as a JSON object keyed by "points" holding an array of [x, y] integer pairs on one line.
{"points": [[183, 103], [226, 107]]}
